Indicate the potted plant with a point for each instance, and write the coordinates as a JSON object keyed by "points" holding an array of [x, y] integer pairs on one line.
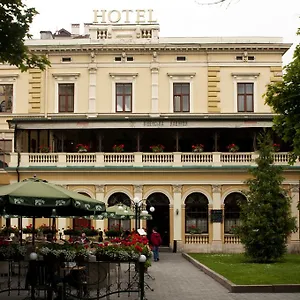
{"points": [[276, 147], [90, 231], [8, 230], [29, 229], [118, 148], [193, 229], [82, 148], [44, 149], [71, 232], [45, 229], [157, 148], [233, 148], [198, 148]]}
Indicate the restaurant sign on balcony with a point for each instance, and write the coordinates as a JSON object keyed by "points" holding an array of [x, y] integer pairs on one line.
{"points": [[216, 216]]}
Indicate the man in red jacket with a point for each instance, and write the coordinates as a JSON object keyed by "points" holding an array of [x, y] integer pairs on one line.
{"points": [[155, 240]]}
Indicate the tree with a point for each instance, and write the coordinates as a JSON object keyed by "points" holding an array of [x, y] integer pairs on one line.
{"points": [[15, 20], [284, 98], [265, 218]]}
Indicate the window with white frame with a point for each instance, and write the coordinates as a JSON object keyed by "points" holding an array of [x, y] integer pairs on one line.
{"points": [[123, 96], [66, 97], [65, 92], [181, 87], [181, 95], [245, 92]]}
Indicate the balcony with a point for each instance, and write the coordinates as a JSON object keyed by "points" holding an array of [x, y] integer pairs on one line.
{"points": [[139, 159]]}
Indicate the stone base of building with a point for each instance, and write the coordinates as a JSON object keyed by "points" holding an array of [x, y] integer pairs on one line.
{"points": [[294, 247]]}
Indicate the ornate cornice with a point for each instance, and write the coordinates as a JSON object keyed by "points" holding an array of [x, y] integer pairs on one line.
{"points": [[158, 48]]}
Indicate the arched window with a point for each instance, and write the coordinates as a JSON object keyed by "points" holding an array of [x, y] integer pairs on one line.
{"points": [[79, 223], [114, 200], [196, 213], [232, 211]]}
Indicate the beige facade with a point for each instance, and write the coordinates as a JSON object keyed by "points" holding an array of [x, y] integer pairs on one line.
{"points": [[123, 84]]}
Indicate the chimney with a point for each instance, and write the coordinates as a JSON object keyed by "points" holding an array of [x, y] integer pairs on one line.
{"points": [[46, 35], [75, 29], [86, 28]]}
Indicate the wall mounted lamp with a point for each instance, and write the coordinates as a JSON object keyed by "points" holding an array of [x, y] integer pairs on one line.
{"points": [[177, 211]]}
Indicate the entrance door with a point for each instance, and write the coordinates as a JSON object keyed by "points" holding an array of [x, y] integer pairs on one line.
{"points": [[160, 217]]}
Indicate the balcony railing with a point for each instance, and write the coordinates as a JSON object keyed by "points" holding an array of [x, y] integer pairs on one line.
{"points": [[196, 238], [139, 159]]}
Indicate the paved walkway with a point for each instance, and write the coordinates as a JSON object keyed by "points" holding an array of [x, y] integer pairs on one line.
{"points": [[178, 279]]}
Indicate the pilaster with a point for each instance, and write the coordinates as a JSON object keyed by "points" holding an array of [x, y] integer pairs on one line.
{"points": [[92, 87], [100, 189], [176, 214], [216, 227], [154, 86]]}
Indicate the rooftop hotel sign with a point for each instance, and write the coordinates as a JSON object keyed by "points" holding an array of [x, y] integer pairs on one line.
{"points": [[126, 16]]}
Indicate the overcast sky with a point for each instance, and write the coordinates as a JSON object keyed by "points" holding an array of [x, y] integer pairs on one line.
{"points": [[179, 18]]}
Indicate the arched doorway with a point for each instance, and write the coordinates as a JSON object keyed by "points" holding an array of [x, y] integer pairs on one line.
{"points": [[160, 217], [232, 211], [115, 199], [196, 213], [79, 223]]}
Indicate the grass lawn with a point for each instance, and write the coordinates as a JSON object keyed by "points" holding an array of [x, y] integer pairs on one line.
{"points": [[239, 270]]}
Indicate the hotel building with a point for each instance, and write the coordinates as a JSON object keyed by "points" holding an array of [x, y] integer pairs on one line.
{"points": [[122, 87]]}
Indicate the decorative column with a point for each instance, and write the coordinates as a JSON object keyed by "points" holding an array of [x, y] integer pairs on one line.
{"points": [[92, 85], [217, 226], [138, 192], [295, 213], [177, 214], [100, 196], [154, 84]]}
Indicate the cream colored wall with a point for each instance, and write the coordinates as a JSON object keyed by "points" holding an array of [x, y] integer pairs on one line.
{"points": [[195, 63], [142, 88], [227, 94]]}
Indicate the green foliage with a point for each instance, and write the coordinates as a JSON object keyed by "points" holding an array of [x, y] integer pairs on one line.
{"points": [[284, 98], [239, 270], [266, 219], [15, 20]]}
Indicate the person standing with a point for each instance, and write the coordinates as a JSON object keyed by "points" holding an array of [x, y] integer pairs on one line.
{"points": [[156, 241]]}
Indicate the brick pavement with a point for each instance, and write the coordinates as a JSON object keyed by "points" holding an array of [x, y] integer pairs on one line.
{"points": [[178, 279]]}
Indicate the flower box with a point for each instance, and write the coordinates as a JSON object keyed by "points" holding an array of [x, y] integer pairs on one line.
{"points": [[157, 148], [82, 148], [44, 149], [198, 148], [233, 148], [118, 148]]}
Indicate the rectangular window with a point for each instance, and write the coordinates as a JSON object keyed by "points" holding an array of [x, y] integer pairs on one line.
{"points": [[123, 97], [245, 93], [181, 97], [181, 58], [66, 97], [6, 97]]}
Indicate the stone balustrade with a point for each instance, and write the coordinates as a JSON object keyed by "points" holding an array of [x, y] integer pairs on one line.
{"points": [[139, 159]]}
